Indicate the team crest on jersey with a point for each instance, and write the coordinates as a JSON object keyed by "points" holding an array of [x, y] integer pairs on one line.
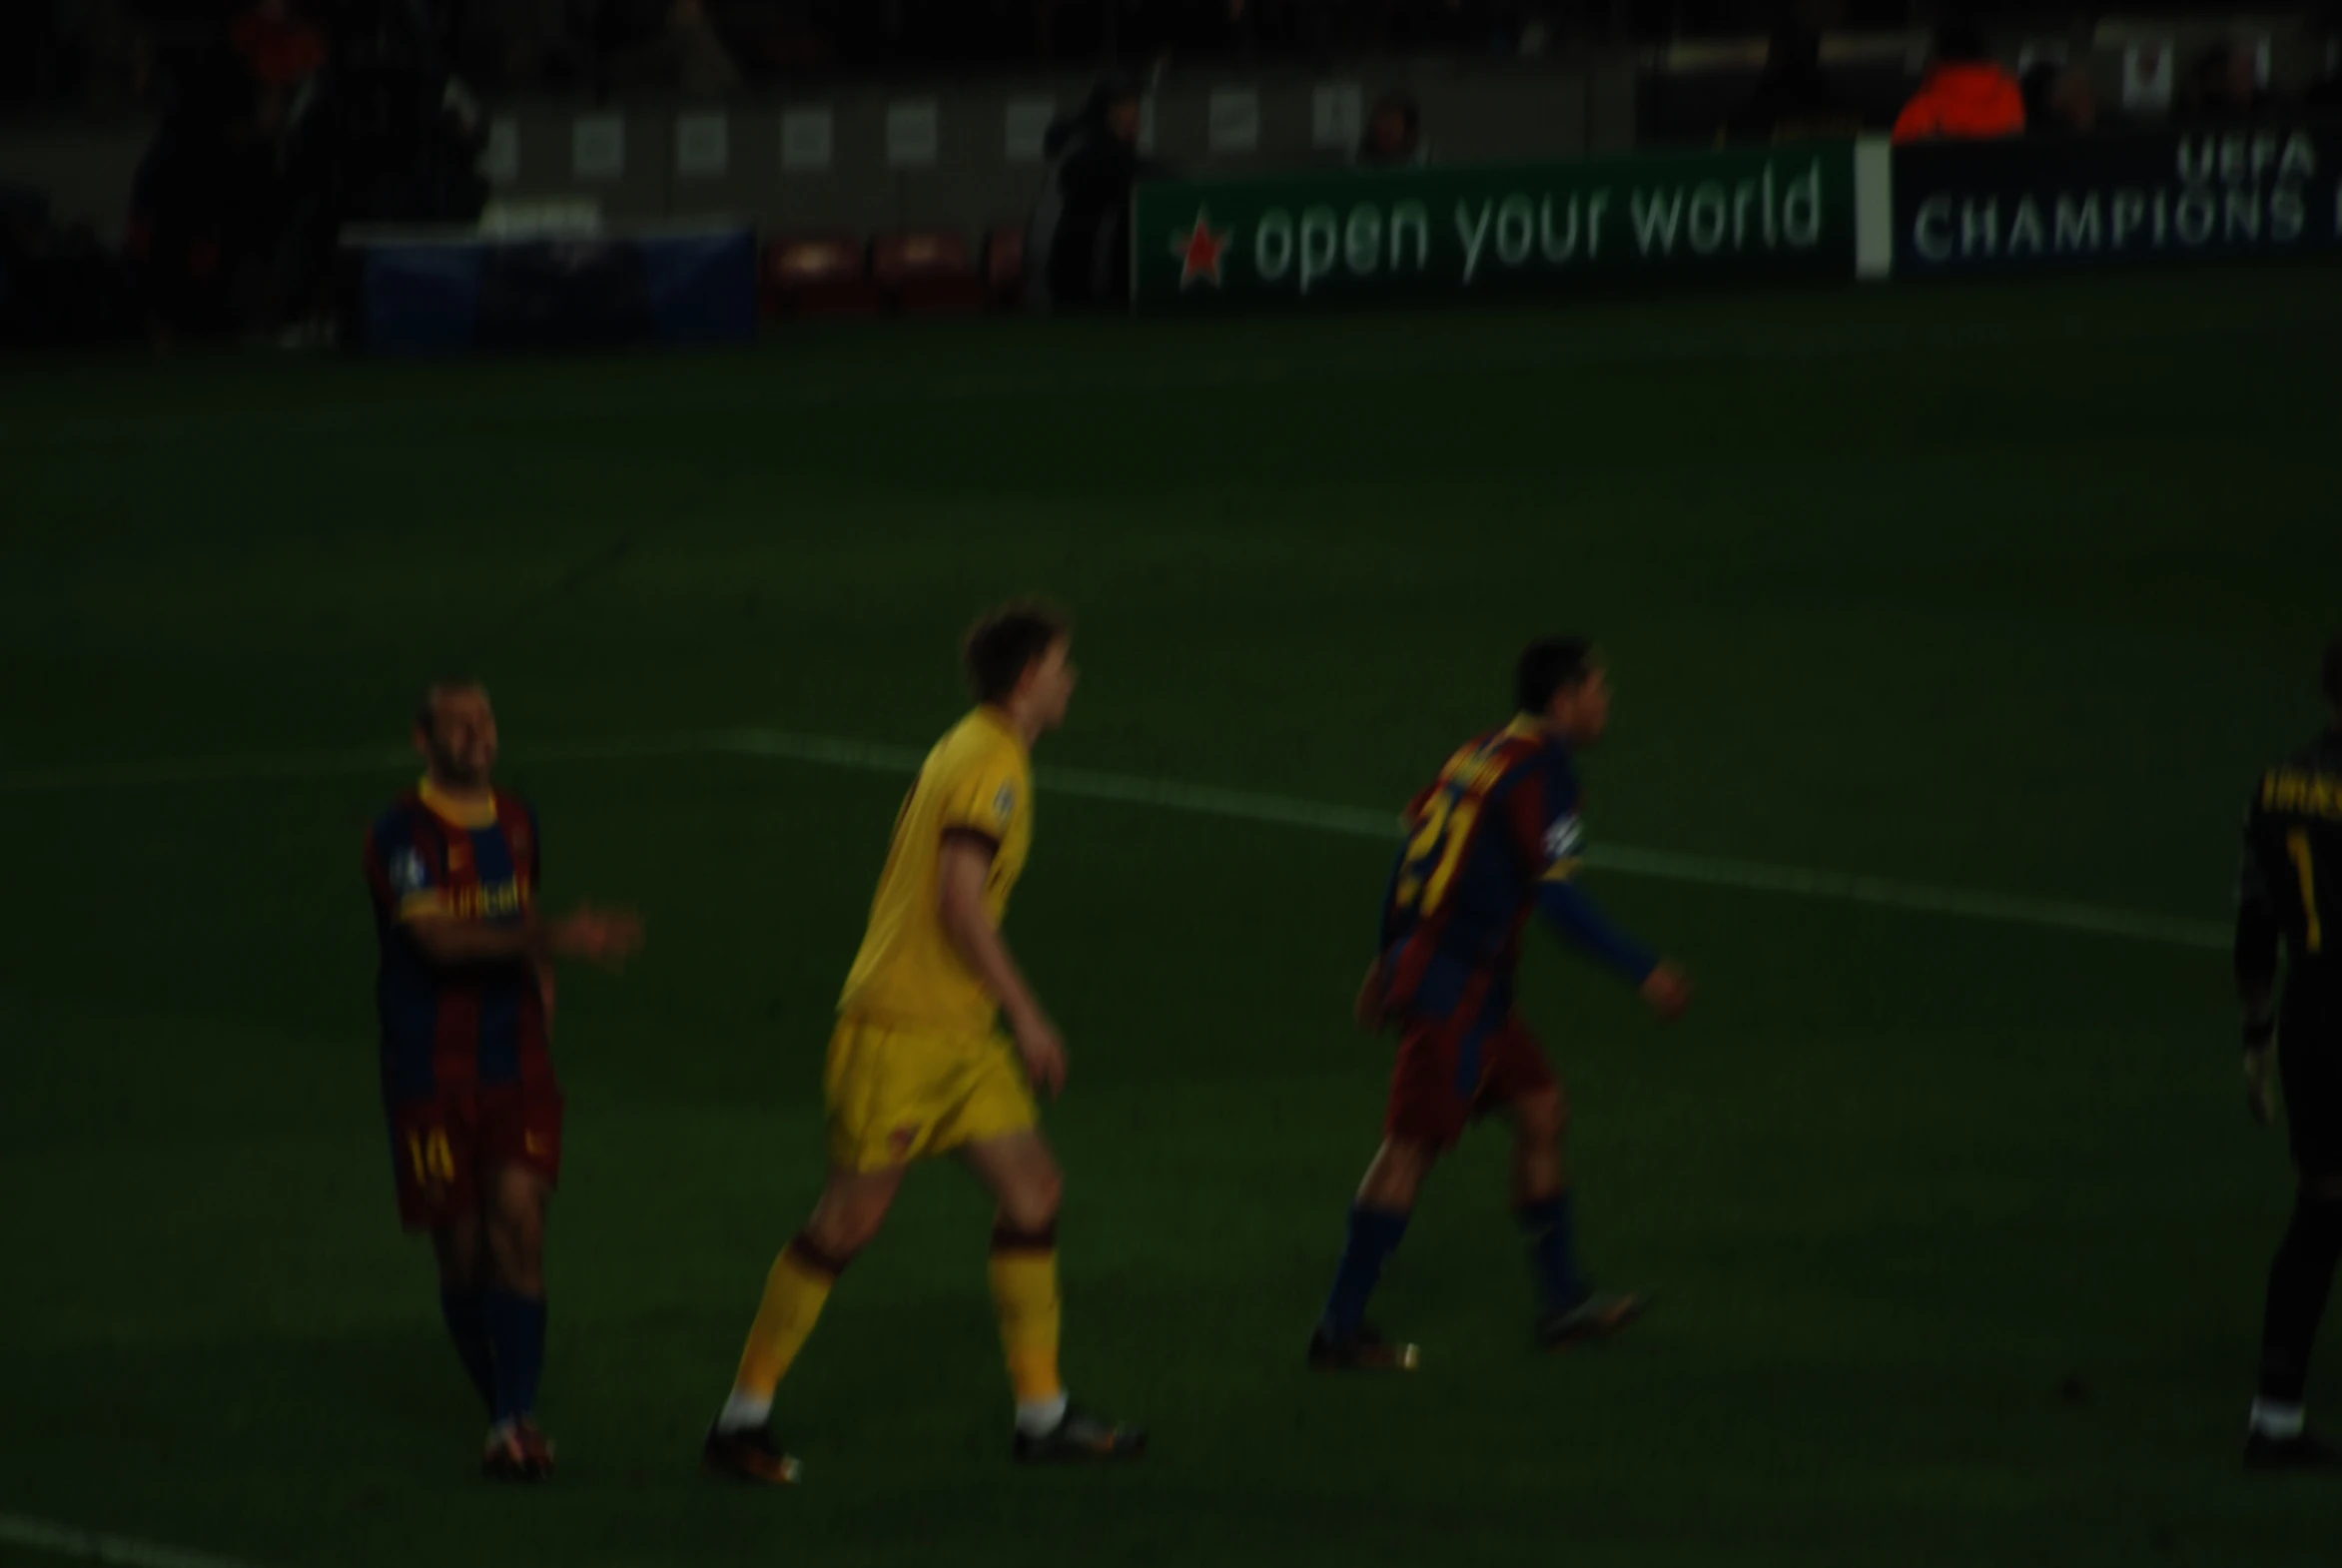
{"points": [[407, 873], [1004, 803], [1565, 839]]}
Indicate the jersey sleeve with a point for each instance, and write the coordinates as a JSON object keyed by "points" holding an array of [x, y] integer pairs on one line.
{"points": [[1553, 858], [984, 794], [2258, 925], [408, 875], [1541, 816]]}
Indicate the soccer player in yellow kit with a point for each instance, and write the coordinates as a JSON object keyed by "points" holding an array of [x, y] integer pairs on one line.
{"points": [[918, 1065]]}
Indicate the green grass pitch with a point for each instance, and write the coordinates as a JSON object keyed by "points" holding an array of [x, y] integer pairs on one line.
{"points": [[1960, 1226]]}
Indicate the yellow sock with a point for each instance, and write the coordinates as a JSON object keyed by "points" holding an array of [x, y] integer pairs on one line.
{"points": [[1025, 1290], [793, 1296]]}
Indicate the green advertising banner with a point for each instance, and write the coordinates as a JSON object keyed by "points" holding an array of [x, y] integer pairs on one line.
{"points": [[1459, 233]]}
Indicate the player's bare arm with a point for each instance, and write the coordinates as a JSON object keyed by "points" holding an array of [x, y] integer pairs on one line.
{"points": [[1582, 923], [966, 862], [607, 938]]}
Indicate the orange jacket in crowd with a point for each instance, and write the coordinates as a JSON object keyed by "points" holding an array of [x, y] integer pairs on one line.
{"points": [[1971, 98]]}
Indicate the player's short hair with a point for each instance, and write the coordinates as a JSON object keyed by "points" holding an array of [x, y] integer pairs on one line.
{"points": [[2333, 670], [1006, 642], [1548, 666], [427, 712]]}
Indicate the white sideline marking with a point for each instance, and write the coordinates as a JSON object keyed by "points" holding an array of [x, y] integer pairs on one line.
{"points": [[59, 1540], [1351, 821], [1194, 799]]}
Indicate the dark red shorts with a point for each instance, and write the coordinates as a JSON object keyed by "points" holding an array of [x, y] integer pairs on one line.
{"points": [[443, 1150], [1446, 1078]]}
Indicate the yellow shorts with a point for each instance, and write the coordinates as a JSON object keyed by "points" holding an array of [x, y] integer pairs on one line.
{"points": [[896, 1095]]}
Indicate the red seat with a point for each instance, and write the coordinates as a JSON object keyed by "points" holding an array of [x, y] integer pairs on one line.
{"points": [[927, 270], [819, 274], [1004, 264]]}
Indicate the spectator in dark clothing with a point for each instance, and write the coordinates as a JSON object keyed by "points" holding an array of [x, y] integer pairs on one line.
{"points": [[2060, 99], [1791, 98], [2224, 88], [2324, 98], [1394, 135], [682, 53], [279, 46], [203, 199], [1078, 246]]}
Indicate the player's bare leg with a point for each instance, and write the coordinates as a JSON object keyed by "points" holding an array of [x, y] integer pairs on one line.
{"points": [[1023, 1177], [1342, 1339], [1395, 1176], [513, 1224], [854, 1205], [1539, 1167], [461, 1246], [1569, 1307]]}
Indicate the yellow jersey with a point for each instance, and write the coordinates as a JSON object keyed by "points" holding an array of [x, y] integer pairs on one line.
{"points": [[978, 779]]}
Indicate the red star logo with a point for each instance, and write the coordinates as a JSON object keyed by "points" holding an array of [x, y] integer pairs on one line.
{"points": [[1200, 252]]}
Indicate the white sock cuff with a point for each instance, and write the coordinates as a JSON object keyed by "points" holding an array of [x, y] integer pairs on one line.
{"points": [[1040, 1417], [744, 1412], [2276, 1419]]}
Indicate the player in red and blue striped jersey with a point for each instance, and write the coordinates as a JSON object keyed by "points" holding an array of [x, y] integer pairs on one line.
{"points": [[1495, 838], [465, 994]]}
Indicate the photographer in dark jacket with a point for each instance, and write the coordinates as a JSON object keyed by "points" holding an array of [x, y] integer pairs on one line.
{"points": [[1793, 97], [1078, 249], [202, 201]]}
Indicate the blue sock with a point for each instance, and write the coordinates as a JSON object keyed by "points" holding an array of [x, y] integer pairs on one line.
{"points": [[516, 1330], [1375, 1236], [1553, 1250], [468, 1324]]}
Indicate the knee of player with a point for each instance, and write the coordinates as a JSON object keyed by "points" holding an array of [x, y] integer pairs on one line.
{"points": [[1396, 1173], [461, 1249], [517, 1246], [1540, 1119], [1032, 1204], [847, 1221], [839, 1234], [516, 1229]]}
